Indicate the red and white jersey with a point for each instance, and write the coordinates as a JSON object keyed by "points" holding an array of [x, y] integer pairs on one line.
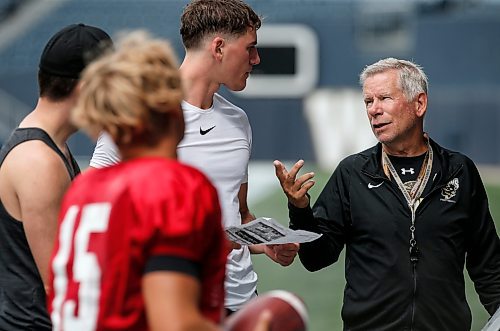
{"points": [[119, 222]]}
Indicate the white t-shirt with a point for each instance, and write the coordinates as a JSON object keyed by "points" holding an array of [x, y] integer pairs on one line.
{"points": [[217, 141], [105, 153]]}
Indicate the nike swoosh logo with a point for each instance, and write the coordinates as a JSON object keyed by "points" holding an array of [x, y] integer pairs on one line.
{"points": [[204, 132], [370, 185]]}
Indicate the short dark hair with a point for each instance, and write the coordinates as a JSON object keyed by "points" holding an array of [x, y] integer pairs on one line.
{"points": [[55, 88], [203, 17]]}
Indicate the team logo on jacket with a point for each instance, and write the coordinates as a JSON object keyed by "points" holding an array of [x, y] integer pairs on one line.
{"points": [[449, 191]]}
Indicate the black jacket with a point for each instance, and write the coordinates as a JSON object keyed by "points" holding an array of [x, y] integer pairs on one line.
{"points": [[363, 210]]}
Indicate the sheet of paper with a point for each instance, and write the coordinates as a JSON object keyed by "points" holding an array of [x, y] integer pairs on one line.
{"points": [[493, 323], [265, 230]]}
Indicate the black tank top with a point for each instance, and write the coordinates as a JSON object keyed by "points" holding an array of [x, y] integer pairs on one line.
{"points": [[22, 295]]}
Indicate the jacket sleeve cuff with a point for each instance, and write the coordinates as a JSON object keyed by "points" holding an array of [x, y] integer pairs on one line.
{"points": [[299, 216]]}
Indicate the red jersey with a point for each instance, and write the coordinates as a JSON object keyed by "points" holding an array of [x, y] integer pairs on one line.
{"points": [[119, 222]]}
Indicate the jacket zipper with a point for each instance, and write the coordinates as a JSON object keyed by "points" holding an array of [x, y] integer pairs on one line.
{"points": [[414, 263], [413, 215], [414, 266], [414, 275]]}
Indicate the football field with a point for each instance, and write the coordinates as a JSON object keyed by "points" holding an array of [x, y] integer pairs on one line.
{"points": [[322, 291]]}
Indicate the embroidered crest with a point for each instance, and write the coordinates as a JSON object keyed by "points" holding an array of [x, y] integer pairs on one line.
{"points": [[450, 190]]}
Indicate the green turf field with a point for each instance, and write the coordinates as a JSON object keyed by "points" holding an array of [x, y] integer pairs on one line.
{"points": [[322, 291]]}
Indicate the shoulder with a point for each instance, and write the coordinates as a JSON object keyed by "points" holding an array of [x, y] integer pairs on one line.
{"points": [[353, 165], [451, 155], [105, 153], [37, 175], [162, 176], [457, 165], [359, 160], [453, 159], [221, 102], [90, 175], [35, 157]]}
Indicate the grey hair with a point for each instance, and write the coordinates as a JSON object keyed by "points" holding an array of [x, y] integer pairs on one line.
{"points": [[412, 79]]}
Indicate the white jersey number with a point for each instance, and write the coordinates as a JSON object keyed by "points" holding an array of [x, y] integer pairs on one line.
{"points": [[86, 269]]}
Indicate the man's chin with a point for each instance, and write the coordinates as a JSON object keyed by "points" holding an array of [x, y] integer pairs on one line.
{"points": [[237, 88], [384, 139]]}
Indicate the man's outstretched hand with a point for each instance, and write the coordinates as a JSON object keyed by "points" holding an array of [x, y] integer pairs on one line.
{"points": [[294, 188]]}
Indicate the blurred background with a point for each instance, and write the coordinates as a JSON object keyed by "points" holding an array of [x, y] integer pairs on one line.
{"points": [[304, 100]]}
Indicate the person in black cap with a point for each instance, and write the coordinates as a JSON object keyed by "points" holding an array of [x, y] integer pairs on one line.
{"points": [[36, 168]]}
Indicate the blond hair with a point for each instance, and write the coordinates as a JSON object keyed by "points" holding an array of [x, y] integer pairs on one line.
{"points": [[131, 91]]}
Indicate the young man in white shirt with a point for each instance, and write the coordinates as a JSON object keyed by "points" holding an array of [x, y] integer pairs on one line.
{"points": [[220, 38]]}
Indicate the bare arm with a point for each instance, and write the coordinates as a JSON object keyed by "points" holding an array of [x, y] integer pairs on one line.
{"points": [[171, 300], [246, 215], [39, 180]]}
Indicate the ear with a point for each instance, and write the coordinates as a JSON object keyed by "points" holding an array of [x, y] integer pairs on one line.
{"points": [[216, 47], [78, 87], [75, 94], [421, 104]]}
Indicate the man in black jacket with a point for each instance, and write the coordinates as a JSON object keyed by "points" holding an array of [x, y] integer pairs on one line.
{"points": [[410, 213]]}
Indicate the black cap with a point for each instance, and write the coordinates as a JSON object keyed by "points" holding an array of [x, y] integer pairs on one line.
{"points": [[69, 51]]}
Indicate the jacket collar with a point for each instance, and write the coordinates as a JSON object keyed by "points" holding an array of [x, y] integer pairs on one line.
{"points": [[443, 166]]}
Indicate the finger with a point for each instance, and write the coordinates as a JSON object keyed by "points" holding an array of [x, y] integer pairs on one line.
{"points": [[305, 188], [286, 253], [303, 179], [280, 170], [295, 169], [234, 245], [286, 261], [286, 247], [286, 256], [294, 247]]}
